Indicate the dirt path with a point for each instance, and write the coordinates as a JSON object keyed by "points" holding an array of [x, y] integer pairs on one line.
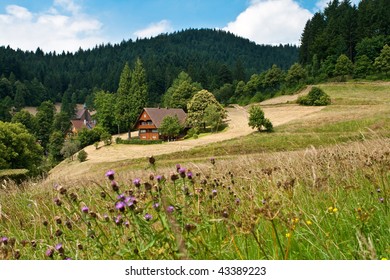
{"points": [[237, 126]]}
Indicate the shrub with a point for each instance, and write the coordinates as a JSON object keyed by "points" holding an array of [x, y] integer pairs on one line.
{"points": [[82, 156], [106, 138], [316, 97], [257, 119]]}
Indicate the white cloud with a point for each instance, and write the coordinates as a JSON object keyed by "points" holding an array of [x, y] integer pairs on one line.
{"points": [[62, 27], [154, 29], [271, 22]]}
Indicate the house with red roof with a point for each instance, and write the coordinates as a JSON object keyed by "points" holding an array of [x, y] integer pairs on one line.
{"points": [[82, 120]]}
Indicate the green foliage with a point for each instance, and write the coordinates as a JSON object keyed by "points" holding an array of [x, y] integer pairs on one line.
{"points": [[82, 156], [88, 137], [106, 138], [363, 66], [197, 107], [135, 141], [296, 75], [44, 120], [18, 148], [213, 116], [382, 62], [316, 97], [69, 149], [55, 145], [27, 119], [181, 91], [105, 106], [170, 126], [343, 67], [257, 119], [62, 123]]}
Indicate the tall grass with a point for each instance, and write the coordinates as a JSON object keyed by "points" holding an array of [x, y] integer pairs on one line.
{"points": [[315, 204]]}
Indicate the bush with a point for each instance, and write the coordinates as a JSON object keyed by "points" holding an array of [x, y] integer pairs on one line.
{"points": [[316, 97], [106, 138], [82, 156]]}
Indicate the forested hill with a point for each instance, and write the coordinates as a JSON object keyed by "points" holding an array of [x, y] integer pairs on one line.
{"points": [[211, 57]]}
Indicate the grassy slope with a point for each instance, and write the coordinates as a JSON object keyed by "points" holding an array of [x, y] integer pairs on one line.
{"points": [[317, 189]]}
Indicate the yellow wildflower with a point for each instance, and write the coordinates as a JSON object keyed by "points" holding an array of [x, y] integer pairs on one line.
{"points": [[335, 210], [383, 259], [308, 222], [288, 235]]}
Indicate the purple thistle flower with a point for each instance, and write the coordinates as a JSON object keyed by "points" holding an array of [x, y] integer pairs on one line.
{"points": [[4, 240], [59, 248], [121, 197], [381, 199], [106, 218], [120, 206], [137, 182], [182, 172], [156, 206], [127, 224], [159, 178], [114, 186], [238, 201], [212, 160], [214, 192], [189, 175], [178, 166], [148, 217], [110, 174], [170, 209], [85, 209], [118, 220], [49, 252]]}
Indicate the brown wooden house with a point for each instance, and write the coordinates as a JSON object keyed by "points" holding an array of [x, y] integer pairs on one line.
{"points": [[150, 120], [82, 119]]}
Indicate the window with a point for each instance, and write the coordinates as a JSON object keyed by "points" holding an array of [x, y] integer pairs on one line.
{"points": [[155, 130], [142, 131]]}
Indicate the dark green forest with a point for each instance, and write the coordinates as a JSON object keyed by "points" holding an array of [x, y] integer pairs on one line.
{"points": [[357, 32], [210, 57]]}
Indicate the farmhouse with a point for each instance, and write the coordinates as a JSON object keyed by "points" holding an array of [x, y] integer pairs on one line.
{"points": [[83, 119], [150, 119]]}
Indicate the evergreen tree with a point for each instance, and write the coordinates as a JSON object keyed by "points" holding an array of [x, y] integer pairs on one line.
{"points": [[343, 67], [123, 107], [44, 120], [105, 106], [27, 119], [382, 62]]}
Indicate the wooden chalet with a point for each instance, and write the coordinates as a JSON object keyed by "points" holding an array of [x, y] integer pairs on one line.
{"points": [[82, 120], [149, 121]]}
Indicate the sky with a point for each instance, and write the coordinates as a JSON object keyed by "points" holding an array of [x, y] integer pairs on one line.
{"points": [[67, 25]]}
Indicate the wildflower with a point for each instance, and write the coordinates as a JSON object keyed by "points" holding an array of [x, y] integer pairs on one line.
{"points": [[148, 186], [383, 259], [33, 243], [110, 175], [335, 210], [214, 192], [137, 182], [61, 190], [121, 197], [114, 186], [45, 223], [130, 201], [57, 201], [178, 167], [58, 232], [381, 199], [308, 222], [225, 214], [17, 254], [212, 160], [174, 177], [264, 201], [49, 253], [288, 234], [156, 206], [189, 227], [68, 224], [73, 197], [120, 206], [189, 175], [93, 214], [378, 190], [148, 217], [4, 240], [152, 160], [106, 218], [330, 209], [102, 194], [127, 224], [85, 209], [59, 248], [170, 209], [151, 177], [80, 246], [159, 178], [118, 220], [182, 172], [58, 220], [237, 201]]}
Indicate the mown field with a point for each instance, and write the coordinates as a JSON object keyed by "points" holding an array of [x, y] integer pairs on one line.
{"points": [[313, 189]]}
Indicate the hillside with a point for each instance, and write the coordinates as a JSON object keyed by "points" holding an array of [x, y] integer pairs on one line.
{"points": [[211, 57]]}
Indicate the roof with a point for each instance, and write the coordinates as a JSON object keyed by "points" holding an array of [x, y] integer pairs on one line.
{"points": [[79, 124], [158, 114]]}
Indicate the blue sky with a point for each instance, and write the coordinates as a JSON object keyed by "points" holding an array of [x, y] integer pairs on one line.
{"points": [[56, 25]]}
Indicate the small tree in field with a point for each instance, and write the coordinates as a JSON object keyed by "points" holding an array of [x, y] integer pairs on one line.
{"points": [[257, 119], [170, 126], [316, 97]]}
